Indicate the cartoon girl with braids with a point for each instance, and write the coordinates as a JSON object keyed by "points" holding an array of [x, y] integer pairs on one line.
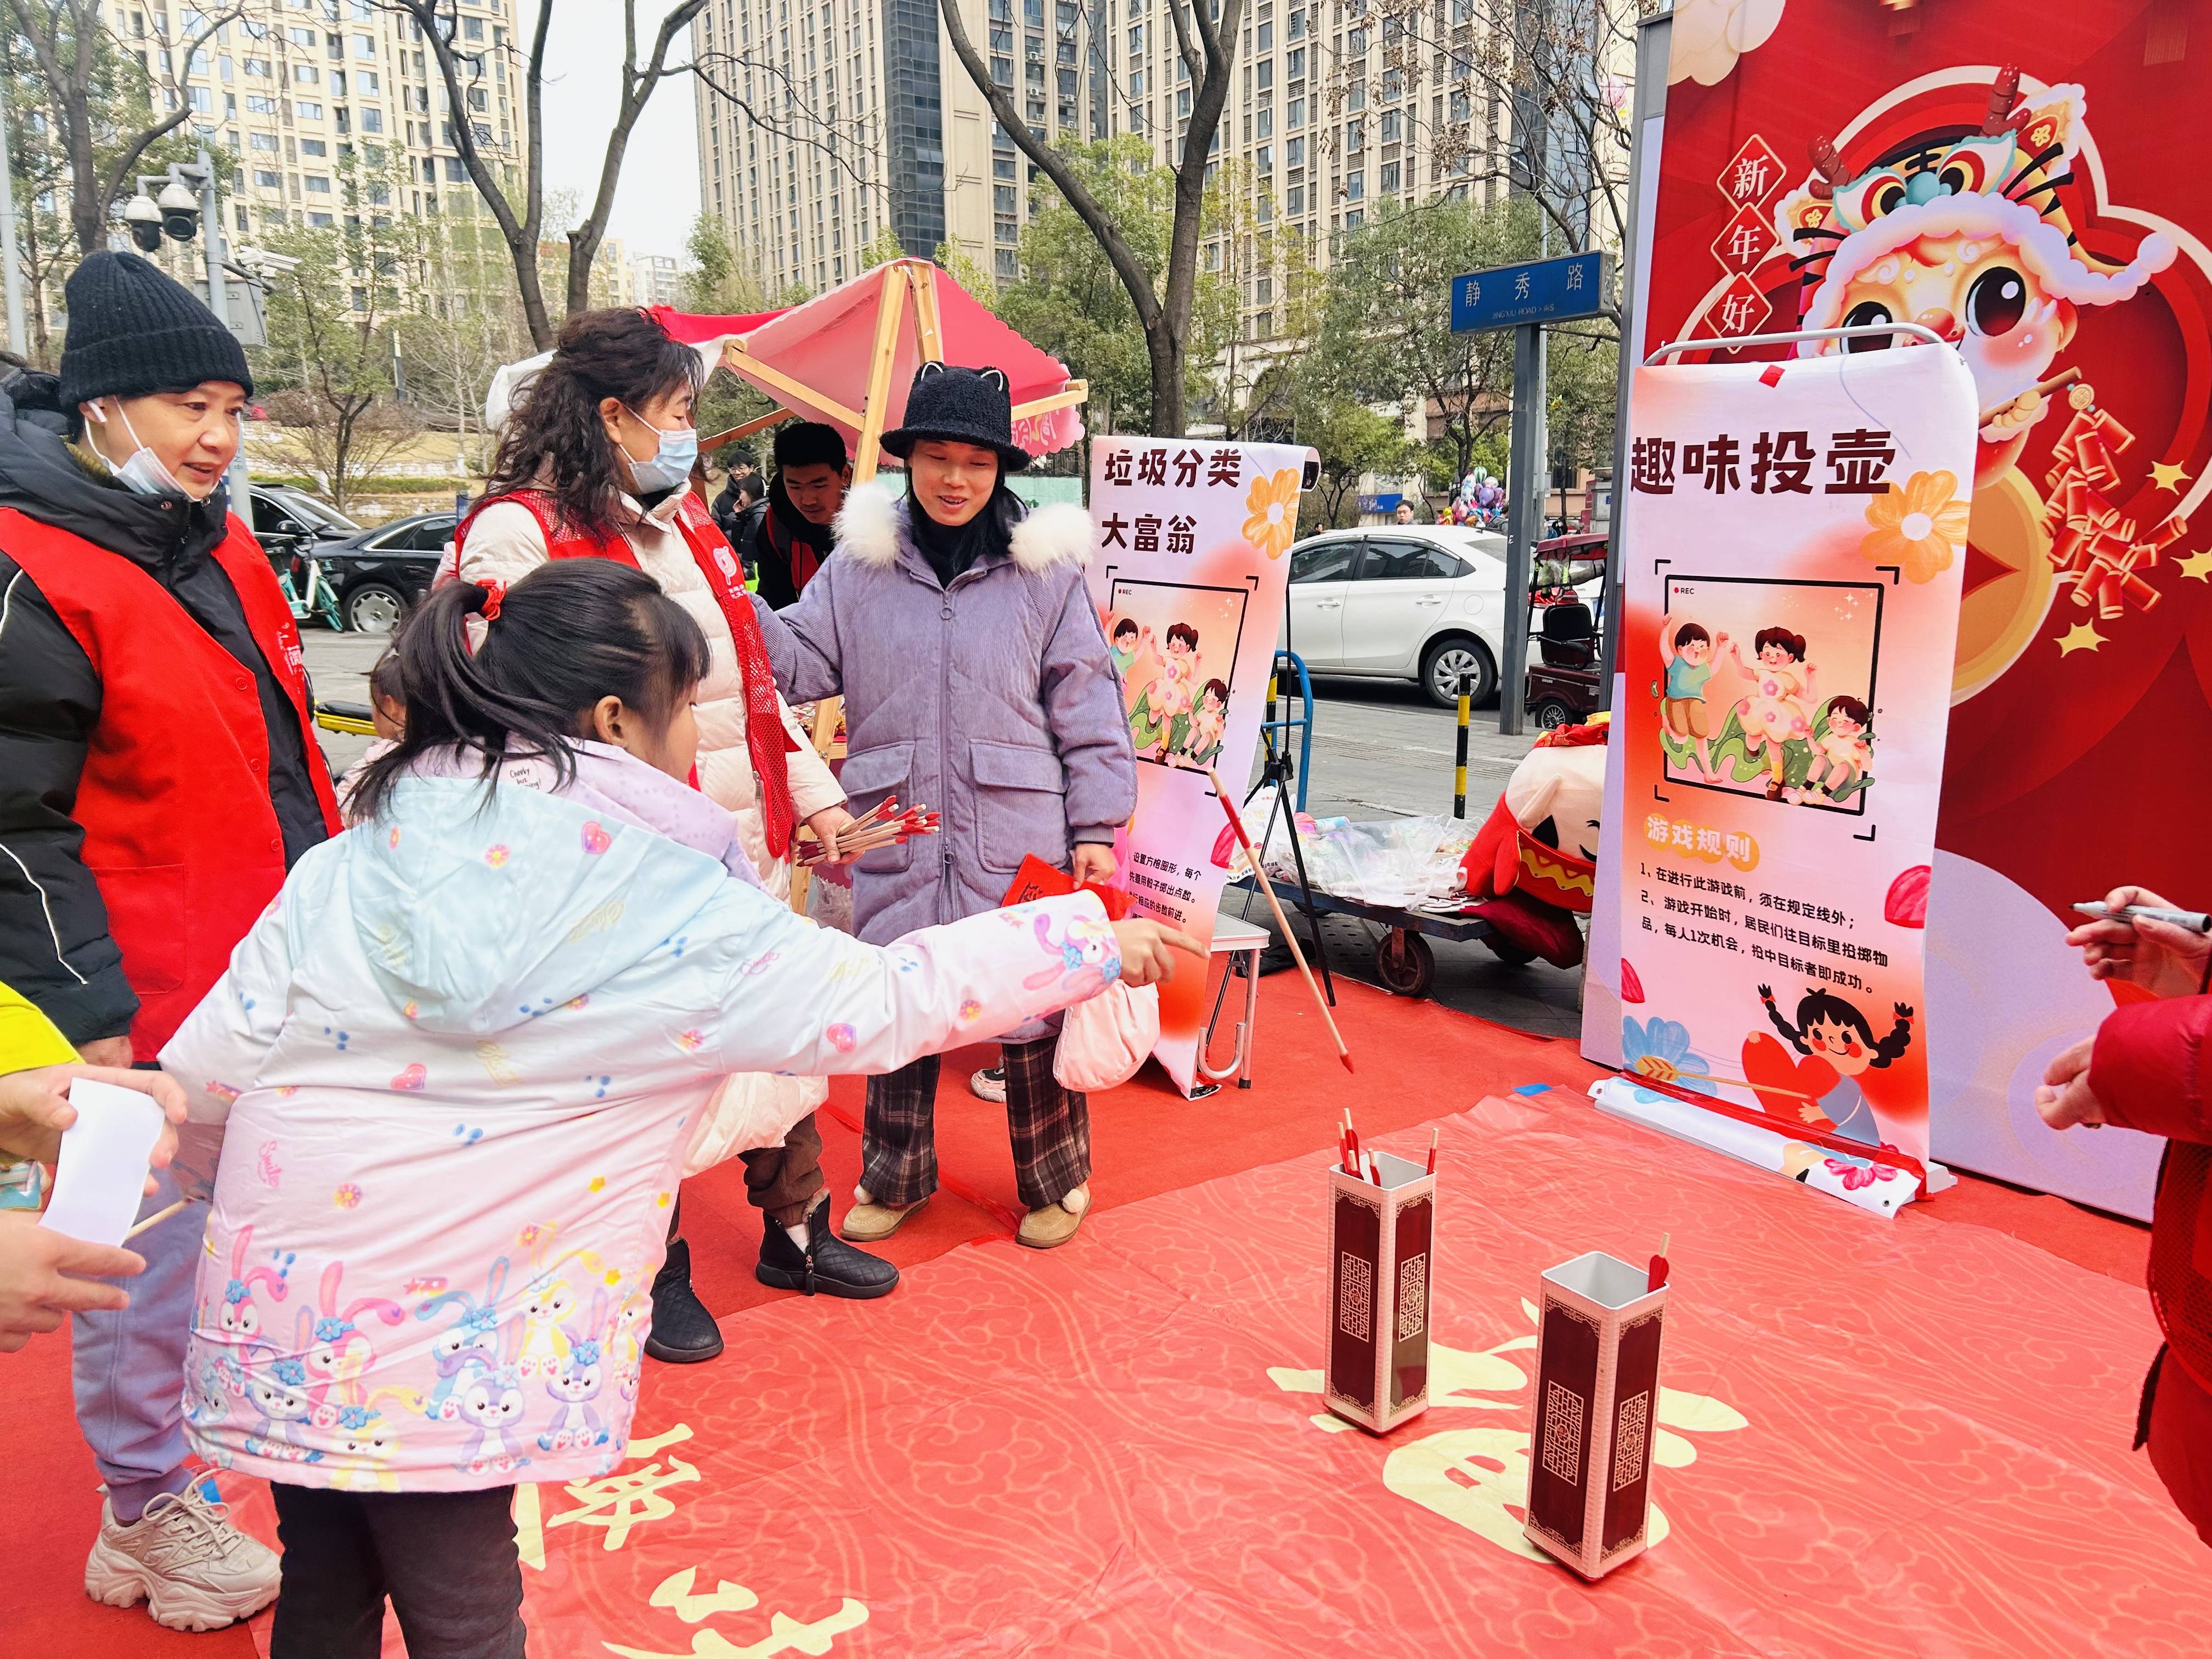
{"points": [[1830, 1030]]}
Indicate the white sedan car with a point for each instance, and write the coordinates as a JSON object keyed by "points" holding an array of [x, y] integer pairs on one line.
{"points": [[1407, 602]]}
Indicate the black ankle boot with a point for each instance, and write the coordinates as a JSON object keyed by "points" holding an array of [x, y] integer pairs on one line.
{"points": [[828, 1267], [684, 1332]]}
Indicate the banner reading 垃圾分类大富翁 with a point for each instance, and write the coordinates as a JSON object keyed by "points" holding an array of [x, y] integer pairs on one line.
{"points": [[1189, 572], [1797, 538]]}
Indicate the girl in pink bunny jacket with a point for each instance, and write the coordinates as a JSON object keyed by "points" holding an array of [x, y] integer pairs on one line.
{"points": [[459, 1061]]}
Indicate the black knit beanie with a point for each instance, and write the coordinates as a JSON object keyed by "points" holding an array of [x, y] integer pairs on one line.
{"points": [[133, 330]]}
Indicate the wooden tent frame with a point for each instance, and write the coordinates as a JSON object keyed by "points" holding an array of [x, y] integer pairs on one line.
{"points": [[909, 285]]}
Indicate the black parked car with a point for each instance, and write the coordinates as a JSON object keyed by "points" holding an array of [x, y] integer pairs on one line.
{"points": [[288, 521], [379, 574]]}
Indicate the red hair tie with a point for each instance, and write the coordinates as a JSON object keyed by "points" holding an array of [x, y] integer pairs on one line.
{"points": [[494, 590]]}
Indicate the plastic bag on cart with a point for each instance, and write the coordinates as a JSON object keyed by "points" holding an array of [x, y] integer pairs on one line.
{"points": [[1319, 839], [1410, 863]]}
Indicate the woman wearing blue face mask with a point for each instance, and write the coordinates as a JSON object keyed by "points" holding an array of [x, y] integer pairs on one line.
{"points": [[595, 461]]}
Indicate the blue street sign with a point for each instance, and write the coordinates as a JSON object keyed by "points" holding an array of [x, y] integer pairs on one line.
{"points": [[1546, 291]]}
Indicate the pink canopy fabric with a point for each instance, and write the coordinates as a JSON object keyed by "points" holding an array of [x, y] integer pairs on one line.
{"points": [[826, 347], [699, 329]]}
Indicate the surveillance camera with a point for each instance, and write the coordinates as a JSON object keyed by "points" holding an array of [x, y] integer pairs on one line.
{"points": [[143, 220], [181, 210]]}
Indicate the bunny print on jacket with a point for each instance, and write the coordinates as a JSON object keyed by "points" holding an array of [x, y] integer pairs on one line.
{"points": [[583, 1375], [621, 968]]}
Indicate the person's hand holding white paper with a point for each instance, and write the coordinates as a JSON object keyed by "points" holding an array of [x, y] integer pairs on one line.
{"points": [[35, 1108], [101, 1176]]}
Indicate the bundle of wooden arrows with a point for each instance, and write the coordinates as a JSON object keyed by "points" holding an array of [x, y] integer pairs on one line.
{"points": [[885, 824]]}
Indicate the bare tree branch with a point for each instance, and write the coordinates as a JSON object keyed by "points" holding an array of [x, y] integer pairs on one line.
{"points": [[67, 37], [1191, 60], [637, 89], [438, 22], [1163, 311], [709, 67], [1207, 34], [1054, 167], [119, 174]]}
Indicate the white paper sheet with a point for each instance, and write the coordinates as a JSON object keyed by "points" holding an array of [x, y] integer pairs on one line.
{"points": [[100, 1180]]}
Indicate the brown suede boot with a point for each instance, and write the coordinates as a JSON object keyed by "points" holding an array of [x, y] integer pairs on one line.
{"points": [[1053, 1224], [868, 1221]]}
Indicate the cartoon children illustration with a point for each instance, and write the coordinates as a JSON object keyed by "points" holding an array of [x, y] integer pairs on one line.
{"points": [[1196, 736], [1151, 722], [1127, 644], [1775, 712], [1830, 1030], [1841, 755], [1687, 650]]}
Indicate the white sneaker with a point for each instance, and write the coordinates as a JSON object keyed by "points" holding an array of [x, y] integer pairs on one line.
{"points": [[185, 1560], [989, 1084]]}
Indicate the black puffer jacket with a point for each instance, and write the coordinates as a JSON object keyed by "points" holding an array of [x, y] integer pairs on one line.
{"points": [[54, 943]]}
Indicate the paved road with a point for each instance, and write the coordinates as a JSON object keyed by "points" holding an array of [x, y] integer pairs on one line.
{"points": [[1380, 749], [339, 664]]}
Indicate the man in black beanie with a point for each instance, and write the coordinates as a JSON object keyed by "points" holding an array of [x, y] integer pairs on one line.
{"points": [[158, 776], [787, 537]]}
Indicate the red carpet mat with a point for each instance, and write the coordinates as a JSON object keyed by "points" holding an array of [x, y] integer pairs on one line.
{"points": [[1110, 1450], [1416, 1062], [1878, 1439]]}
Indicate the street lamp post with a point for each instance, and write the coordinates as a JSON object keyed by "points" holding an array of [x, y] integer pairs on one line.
{"points": [[18, 341]]}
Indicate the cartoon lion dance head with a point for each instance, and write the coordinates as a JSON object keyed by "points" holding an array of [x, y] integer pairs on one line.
{"points": [[1963, 231]]}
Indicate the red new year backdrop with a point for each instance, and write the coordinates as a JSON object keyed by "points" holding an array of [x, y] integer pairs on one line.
{"points": [[2028, 180]]}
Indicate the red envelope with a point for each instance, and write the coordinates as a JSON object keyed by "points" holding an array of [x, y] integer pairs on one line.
{"points": [[1037, 879]]}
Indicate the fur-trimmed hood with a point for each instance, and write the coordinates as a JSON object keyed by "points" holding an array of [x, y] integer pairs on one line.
{"points": [[872, 525]]}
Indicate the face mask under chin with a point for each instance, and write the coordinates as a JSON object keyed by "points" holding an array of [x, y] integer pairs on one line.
{"points": [[143, 473]]}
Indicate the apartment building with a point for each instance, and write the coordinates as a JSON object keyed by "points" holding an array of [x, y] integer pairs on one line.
{"points": [[829, 120], [654, 281], [821, 125], [289, 94]]}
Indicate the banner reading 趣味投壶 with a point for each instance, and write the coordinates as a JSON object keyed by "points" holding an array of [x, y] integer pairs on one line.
{"points": [[2010, 176], [1796, 537], [1189, 572]]}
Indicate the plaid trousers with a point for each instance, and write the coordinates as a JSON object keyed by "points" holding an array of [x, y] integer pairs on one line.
{"points": [[1050, 1127]]}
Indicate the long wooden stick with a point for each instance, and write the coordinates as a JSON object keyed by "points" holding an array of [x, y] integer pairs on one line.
{"points": [[1738, 1082], [156, 1219], [1244, 840]]}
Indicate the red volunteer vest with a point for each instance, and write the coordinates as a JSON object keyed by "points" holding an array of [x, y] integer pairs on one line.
{"points": [[178, 830]]}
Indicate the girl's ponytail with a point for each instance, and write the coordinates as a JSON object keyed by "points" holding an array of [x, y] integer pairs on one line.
{"points": [[566, 635]]}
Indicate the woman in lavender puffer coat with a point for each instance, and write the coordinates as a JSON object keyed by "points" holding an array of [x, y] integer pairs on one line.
{"points": [[976, 681]]}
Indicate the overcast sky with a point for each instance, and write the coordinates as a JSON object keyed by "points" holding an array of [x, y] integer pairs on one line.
{"points": [[659, 195]]}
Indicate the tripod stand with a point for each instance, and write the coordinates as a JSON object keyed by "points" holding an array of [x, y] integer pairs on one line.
{"points": [[1277, 772]]}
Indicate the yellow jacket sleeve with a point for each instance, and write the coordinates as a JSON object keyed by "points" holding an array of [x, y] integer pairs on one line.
{"points": [[28, 1037]]}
